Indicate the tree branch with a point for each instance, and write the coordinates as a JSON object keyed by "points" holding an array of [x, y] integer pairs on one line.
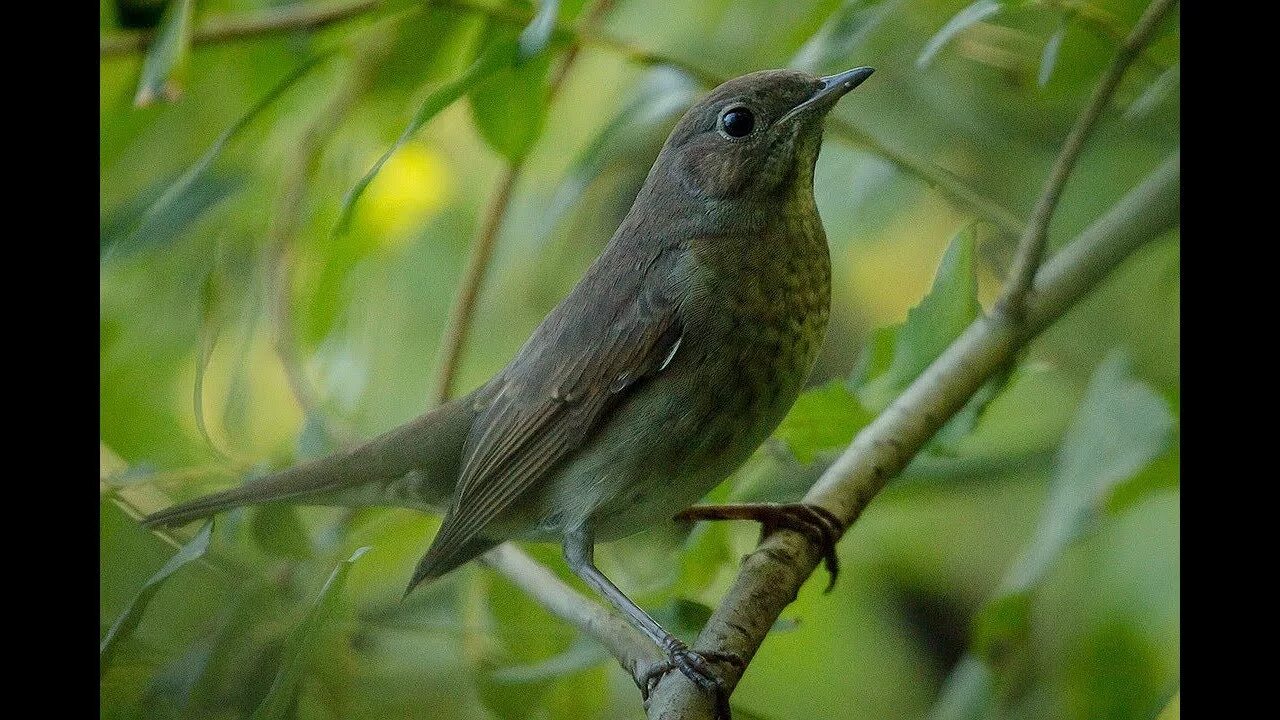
{"points": [[1031, 246], [771, 576], [228, 28]]}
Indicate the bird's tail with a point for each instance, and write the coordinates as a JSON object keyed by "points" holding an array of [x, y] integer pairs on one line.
{"points": [[415, 464]]}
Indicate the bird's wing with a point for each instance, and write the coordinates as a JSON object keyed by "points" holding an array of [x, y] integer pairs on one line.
{"points": [[621, 324]]}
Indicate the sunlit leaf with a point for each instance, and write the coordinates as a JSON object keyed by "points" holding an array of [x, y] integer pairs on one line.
{"points": [[966, 18], [300, 647], [164, 68], [132, 615], [1173, 710]]}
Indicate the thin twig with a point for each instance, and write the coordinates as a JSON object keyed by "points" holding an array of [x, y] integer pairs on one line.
{"points": [[459, 328], [771, 576], [1031, 246], [241, 26], [464, 305], [286, 221], [633, 651]]}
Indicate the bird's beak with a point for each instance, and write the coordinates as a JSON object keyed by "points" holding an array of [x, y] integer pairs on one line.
{"points": [[829, 93]]}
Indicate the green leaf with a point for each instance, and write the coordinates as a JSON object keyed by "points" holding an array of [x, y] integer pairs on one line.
{"points": [[132, 615], [510, 108], [1122, 424], [1173, 710], [876, 356], [177, 194], [942, 316], [144, 222], [969, 16], [536, 35], [842, 35], [164, 68], [822, 418], [278, 532], [1049, 56], [966, 692], [301, 645], [494, 57]]}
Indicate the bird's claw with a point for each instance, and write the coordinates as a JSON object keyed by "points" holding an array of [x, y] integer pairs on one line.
{"points": [[815, 522], [695, 665]]}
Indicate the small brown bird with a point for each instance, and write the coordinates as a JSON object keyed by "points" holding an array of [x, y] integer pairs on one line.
{"points": [[668, 364]]}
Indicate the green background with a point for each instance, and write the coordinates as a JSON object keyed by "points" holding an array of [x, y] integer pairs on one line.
{"points": [[1083, 433]]}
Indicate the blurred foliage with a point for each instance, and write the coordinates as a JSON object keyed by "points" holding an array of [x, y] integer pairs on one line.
{"points": [[1025, 565]]}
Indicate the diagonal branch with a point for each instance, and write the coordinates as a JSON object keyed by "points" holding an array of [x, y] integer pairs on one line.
{"points": [[1031, 247], [771, 576]]}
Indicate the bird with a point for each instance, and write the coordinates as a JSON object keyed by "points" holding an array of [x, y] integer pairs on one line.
{"points": [[674, 357]]}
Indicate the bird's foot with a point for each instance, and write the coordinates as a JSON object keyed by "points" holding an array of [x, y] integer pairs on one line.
{"points": [[815, 522], [697, 667]]}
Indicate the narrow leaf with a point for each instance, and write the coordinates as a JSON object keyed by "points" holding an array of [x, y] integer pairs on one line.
{"points": [[1049, 56], [164, 67], [536, 35], [662, 95], [494, 57], [210, 327], [1121, 426], [1155, 94], [301, 645], [183, 185], [132, 615], [842, 34], [971, 15]]}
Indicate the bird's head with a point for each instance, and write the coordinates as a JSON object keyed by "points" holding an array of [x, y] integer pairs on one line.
{"points": [[753, 137]]}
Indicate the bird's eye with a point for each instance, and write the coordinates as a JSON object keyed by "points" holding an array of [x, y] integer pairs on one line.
{"points": [[738, 122]]}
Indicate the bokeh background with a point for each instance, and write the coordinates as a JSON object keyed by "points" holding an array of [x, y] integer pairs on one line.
{"points": [[247, 324]]}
